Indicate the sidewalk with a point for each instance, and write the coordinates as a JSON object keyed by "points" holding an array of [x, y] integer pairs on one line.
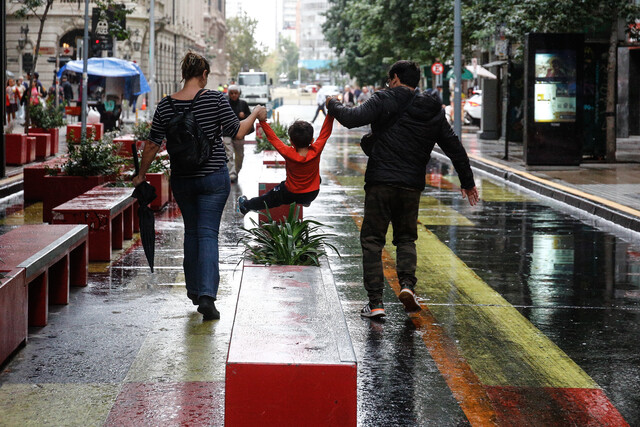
{"points": [[607, 190]]}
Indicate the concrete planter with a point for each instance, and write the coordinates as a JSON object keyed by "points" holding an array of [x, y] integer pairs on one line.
{"points": [[74, 132], [62, 188], [16, 149], [55, 138], [303, 345], [14, 303], [34, 176], [160, 182]]}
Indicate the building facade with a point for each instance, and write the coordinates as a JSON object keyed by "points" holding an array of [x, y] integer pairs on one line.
{"points": [[180, 25]]}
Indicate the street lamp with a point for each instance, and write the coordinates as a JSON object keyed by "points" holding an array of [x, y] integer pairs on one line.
{"points": [[136, 40], [22, 42]]}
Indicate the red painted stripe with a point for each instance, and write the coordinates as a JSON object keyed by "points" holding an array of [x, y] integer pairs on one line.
{"points": [[517, 406]]}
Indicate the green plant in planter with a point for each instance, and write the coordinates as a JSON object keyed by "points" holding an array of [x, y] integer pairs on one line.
{"points": [[289, 242], [281, 131], [92, 158], [160, 164], [47, 117], [141, 130]]}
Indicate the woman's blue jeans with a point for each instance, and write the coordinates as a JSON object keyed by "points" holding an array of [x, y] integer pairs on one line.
{"points": [[201, 201]]}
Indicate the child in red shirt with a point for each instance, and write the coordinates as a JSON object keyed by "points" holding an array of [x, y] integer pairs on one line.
{"points": [[302, 162]]}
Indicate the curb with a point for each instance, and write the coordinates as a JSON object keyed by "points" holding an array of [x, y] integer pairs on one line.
{"points": [[610, 211], [11, 186]]}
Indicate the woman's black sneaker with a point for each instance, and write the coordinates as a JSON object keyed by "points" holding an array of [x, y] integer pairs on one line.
{"points": [[207, 306], [193, 298], [241, 205]]}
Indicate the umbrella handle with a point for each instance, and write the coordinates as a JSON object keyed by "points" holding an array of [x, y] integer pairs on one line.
{"points": [[134, 152]]}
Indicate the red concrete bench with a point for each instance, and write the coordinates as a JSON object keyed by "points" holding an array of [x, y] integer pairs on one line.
{"points": [[33, 176], [51, 258], [297, 363], [55, 138], [19, 149], [111, 214], [43, 145], [269, 178]]}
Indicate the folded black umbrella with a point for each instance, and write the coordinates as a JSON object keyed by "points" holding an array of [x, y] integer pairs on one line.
{"points": [[145, 193]]}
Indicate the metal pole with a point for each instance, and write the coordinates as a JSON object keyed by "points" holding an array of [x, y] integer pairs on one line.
{"points": [[506, 116], [152, 63], [85, 76], [3, 67], [457, 69]]}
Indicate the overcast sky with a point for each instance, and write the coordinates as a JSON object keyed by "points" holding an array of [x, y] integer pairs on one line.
{"points": [[264, 11]]}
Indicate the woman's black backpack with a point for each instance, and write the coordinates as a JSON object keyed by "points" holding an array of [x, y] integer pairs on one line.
{"points": [[187, 144]]}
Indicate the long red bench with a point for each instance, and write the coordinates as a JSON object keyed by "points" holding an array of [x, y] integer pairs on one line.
{"points": [[296, 363], [19, 149], [43, 145], [111, 214], [41, 262]]}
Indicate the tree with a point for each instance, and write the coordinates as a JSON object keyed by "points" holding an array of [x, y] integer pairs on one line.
{"points": [[243, 51], [32, 7], [289, 55]]}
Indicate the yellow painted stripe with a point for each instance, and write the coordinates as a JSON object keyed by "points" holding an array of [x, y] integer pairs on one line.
{"points": [[564, 188], [434, 212], [502, 347]]}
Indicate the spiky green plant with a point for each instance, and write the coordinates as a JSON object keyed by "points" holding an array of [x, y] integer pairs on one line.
{"points": [[286, 242]]}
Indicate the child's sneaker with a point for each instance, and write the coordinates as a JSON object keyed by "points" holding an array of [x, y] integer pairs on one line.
{"points": [[409, 299], [241, 205], [373, 310]]}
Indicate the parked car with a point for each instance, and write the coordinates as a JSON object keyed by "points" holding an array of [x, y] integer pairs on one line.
{"points": [[473, 108]]}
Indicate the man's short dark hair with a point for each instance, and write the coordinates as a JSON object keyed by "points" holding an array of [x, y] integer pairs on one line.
{"points": [[301, 133], [407, 71]]}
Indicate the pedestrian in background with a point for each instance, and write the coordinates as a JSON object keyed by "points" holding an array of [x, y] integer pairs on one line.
{"points": [[234, 147], [202, 193], [364, 96], [21, 90], [348, 99], [67, 90], [12, 100], [321, 101], [405, 127]]}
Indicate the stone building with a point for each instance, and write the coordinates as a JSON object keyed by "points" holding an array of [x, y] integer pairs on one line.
{"points": [[180, 25]]}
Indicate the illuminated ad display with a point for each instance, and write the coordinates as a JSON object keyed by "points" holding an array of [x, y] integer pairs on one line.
{"points": [[555, 86]]}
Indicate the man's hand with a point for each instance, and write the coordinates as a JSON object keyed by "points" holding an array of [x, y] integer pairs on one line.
{"points": [[329, 98], [471, 195], [261, 112], [241, 115]]}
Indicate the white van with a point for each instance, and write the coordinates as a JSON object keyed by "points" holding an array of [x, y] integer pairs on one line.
{"points": [[254, 87]]}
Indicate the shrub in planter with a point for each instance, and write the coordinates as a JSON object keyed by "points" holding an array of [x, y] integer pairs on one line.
{"points": [[281, 130], [289, 242], [141, 130], [47, 119]]}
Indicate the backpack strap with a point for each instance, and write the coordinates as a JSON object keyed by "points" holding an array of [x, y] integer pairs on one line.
{"points": [[193, 101]]}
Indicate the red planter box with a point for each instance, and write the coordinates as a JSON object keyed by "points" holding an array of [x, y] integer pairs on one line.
{"points": [[31, 149], [62, 188], [13, 311], [16, 148], [160, 182], [55, 138], [76, 130], [43, 145], [33, 176]]}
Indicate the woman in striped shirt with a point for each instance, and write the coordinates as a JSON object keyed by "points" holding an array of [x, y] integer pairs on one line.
{"points": [[201, 193]]}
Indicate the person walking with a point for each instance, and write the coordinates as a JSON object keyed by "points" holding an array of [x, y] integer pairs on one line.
{"points": [[67, 90], [321, 100], [12, 100], [232, 146], [348, 99], [405, 126], [21, 90], [201, 193]]}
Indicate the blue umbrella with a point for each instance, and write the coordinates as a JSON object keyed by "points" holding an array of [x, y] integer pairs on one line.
{"points": [[109, 67]]}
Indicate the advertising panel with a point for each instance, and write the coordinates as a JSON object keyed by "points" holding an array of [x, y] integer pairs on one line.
{"points": [[555, 86]]}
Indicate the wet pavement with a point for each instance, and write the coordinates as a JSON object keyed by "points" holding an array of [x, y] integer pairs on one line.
{"points": [[531, 316]]}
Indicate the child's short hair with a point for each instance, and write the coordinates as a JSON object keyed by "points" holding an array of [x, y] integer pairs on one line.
{"points": [[301, 133]]}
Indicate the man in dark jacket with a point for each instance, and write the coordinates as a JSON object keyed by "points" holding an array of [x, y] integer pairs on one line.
{"points": [[234, 148], [407, 124]]}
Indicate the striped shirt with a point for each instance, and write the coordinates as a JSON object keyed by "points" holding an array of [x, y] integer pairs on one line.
{"points": [[214, 116]]}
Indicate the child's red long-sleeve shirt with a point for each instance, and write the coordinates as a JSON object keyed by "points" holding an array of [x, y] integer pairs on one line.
{"points": [[303, 173]]}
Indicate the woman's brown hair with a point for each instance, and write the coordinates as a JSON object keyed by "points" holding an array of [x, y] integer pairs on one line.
{"points": [[193, 65]]}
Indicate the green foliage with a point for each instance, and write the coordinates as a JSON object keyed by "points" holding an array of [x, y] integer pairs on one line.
{"points": [[141, 130], [160, 164], [243, 49], [117, 12], [281, 131], [289, 242], [92, 158], [47, 116]]}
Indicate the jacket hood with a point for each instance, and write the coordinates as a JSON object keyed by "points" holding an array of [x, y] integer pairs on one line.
{"points": [[424, 107]]}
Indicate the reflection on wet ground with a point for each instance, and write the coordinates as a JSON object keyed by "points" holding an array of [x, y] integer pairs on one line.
{"points": [[531, 316]]}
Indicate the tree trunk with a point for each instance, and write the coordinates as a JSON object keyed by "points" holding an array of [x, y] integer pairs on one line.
{"points": [[611, 91], [27, 113]]}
